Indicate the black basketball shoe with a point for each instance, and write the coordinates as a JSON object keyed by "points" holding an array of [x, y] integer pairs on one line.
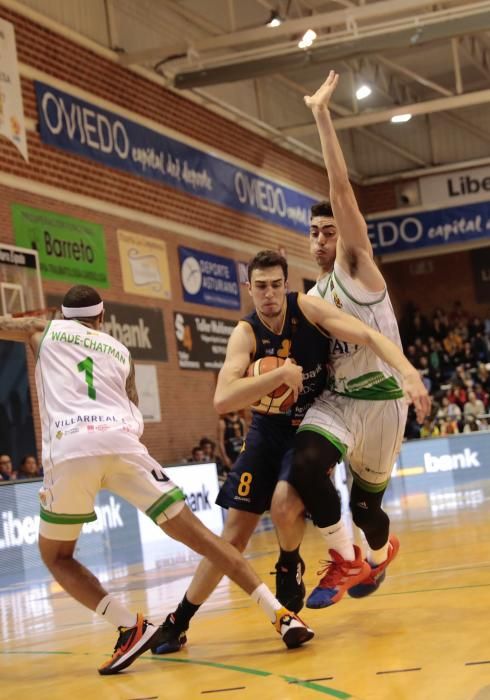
{"points": [[169, 640]]}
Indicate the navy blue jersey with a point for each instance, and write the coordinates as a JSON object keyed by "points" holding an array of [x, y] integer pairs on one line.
{"points": [[302, 341]]}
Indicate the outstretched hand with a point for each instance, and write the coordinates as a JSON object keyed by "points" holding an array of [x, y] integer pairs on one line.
{"points": [[321, 98], [417, 394]]}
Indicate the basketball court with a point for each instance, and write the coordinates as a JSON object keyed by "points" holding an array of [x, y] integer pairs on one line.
{"points": [[423, 635]]}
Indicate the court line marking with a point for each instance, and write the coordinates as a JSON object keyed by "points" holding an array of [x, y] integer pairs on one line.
{"points": [[223, 690], [399, 670], [476, 663]]}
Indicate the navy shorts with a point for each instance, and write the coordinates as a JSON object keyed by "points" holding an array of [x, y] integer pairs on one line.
{"points": [[265, 459]]}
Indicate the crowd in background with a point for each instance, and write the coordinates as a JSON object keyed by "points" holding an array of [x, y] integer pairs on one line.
{"points": [[451, 350], [28, 468]]}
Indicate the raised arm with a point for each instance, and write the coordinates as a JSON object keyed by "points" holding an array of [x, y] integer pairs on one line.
{"points": [[234, 391], [350, 329], [354, 250], [24, 330]]}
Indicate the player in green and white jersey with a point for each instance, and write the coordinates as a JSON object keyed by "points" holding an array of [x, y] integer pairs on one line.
{"points": [[362, 414]]}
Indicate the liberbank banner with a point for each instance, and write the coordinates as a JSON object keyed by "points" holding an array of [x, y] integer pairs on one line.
{"points": [[80, 127], [429, 228]]}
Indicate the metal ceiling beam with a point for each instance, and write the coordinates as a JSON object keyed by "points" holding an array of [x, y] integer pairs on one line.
{"points": [[397, 68], [378, 117], [332, 48], [324, 20]]}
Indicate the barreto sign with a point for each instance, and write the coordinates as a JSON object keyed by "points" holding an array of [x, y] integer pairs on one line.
{"points": [[86, 129]]}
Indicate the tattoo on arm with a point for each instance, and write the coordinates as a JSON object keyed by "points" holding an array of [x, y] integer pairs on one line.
{"points": [[131, 390]]}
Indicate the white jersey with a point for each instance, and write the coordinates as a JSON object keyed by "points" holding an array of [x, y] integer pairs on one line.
{"points": [[357, 371], [81, 378]]}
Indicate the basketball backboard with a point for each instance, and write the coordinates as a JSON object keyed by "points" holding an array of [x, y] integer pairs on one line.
{"points": [[20, 280]]}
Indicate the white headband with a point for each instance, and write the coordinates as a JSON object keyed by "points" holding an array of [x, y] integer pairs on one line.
{"points": [[82, 311]]}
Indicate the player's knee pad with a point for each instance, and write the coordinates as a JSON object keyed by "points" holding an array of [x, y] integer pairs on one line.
{"points": [[314, 459], [369, 516]]}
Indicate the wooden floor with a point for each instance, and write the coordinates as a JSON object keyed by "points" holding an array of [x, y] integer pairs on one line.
{"points": [[425, 635]]}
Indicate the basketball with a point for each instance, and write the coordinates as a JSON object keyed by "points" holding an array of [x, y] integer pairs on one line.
{"points": [[278, 401]]}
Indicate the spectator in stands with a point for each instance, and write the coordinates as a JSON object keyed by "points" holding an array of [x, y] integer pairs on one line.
{"points": [[457, 395], [479, 346], [7, 472], [208, 446], [29, 468], [412, 428], [449, 410], [429, 429], [473, 407], [231, 435], [481, 394], [453, 343], [483, 376], [197, 455], [471, 425], [448, 426]]}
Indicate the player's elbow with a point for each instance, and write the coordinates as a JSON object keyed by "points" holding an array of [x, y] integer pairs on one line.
{"points": [[221, 404]]}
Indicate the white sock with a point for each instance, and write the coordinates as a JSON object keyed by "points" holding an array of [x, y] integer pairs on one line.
{"points": [[111, 610], [337, 537], [269, 604], [378, 556], [359, 540]]}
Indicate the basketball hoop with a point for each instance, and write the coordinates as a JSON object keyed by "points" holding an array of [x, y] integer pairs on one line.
{"points": [[49, 313]]}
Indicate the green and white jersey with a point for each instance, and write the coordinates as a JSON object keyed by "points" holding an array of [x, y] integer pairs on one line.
{"points": [[81, 378], [357, 371]]}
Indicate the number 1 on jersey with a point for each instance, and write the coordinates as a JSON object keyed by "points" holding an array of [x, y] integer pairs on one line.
{"points": [[87, 366]]}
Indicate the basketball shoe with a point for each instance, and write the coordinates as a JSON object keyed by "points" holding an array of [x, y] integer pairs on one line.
{"points": [[339, 575], [132, 642], [290, 589], [292, 629], [377, 574], [169, 639]]}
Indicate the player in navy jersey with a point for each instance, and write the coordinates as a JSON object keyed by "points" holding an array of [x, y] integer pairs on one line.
{"points": [[295, 327]]}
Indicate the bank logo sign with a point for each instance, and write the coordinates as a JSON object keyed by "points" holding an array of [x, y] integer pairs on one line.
{"points": [[70, 250], [209, 279], [83, 128]]}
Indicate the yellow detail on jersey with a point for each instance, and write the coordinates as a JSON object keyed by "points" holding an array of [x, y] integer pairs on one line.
{"points": [[285, 349]]}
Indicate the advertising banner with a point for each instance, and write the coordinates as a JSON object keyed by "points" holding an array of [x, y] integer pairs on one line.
{"points": [[406, 232], [148, 394], [209, 279], [12, 124], [144, 265], [85, 129], [456, 187], [70, 250], [139, 328], [201, 340]]}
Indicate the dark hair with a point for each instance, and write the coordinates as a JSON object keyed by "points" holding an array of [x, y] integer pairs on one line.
{"points": [[206, 441], [267, 258], [80, 296], [321, 209]]}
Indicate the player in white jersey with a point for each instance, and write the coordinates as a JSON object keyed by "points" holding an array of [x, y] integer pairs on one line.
{"points": [[362, 414], [91, 427]]}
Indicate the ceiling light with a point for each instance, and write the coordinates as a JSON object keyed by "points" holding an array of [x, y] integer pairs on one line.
{"points": [[274, 20], [307, 40], [363, 91], [400, 118]]}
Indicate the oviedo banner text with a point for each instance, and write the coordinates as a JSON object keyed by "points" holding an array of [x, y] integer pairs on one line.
{"points": [[83, 128], [429, 228]]}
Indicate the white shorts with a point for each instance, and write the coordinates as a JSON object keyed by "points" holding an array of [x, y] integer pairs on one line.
{"points": [[368, 433], [69, 489]]}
